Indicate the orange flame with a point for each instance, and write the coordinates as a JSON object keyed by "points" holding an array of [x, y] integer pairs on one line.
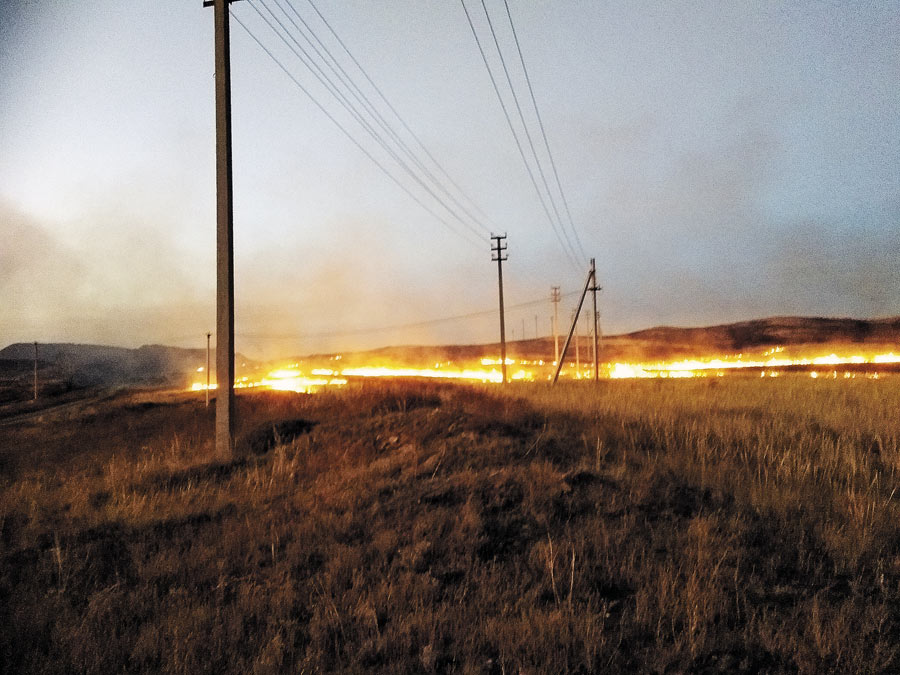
{"points": [[771, 363]]}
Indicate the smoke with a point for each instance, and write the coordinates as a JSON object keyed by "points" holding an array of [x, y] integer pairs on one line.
{"points": [[103, 279], [347, 293], [846, 268], [112, 280], [697, 238]]}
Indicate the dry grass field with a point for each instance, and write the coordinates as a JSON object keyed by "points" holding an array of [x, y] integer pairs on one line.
{"points": [[726, 525]]}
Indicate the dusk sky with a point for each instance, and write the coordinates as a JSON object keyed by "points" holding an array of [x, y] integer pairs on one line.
{"points": [[722, 161]]}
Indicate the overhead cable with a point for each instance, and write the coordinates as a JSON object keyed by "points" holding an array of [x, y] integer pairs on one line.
{"points": [[329, 84], [325, 54], [518, 142], [399, 117], [512, 89], [537, 112], [417, 324], [352, 139]]}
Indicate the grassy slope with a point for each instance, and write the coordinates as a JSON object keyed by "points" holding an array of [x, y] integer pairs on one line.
{"points": [[737, 525]]}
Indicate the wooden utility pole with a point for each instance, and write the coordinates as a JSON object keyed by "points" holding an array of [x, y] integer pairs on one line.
{"points": [[565, 350], [594, 288], [224, 238], [554, 298], [35, 372], [497, 250], [577, 350], [207, 368]]}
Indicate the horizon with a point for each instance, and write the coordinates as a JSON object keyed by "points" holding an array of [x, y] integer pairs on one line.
{"points": [[384, 347]]}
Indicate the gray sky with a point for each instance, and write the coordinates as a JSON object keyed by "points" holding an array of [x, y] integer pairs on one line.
{"points": [[722, 161]]}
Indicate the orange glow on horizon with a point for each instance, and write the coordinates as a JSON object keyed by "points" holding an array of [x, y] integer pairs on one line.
{"points": [[772, 363]]}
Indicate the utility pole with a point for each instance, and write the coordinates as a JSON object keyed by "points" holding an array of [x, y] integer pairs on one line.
{"points": [[594, 288], [207, 368], [35, 371], [523, 329], [224, 237], [587, 336], [565, 350], [535, 326], [554, 298], [577, 350], [497, 250]]}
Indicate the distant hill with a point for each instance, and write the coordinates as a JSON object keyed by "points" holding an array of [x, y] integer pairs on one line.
{"points": [[757, 335], [87, 365], [668, 342]]}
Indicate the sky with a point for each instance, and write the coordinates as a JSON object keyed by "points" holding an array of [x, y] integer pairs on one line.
{"points": [[720, 161]]}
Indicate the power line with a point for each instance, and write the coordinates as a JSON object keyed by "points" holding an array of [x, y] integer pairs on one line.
{"points": [[335, 66], [534, 154], [514, 133], [417, 324], [329, 84], [344, 130], [537, 112], [394, 110], [382, 329], [367, 108]]}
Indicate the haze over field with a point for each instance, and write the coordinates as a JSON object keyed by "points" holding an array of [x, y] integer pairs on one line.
{"points": [[722, 162]]}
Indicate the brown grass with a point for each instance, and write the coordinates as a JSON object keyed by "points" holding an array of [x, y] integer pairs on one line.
{"points": [[692, 526]]}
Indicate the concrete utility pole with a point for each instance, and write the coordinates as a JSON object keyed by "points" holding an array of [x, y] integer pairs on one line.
{"points": [[594, 288], [35, 371], [224, 237], [554, 298], [497, 249], [207, 368]]}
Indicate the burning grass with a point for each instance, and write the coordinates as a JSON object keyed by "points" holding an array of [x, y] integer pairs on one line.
{"points": [[317, 373], [704, 525]]}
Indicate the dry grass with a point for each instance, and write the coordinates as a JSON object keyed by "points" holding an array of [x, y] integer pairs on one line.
{"points": [[692, 526]]}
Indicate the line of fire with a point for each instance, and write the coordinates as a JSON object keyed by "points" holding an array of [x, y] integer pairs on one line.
{"points": [[527, 364], [538, 360]]}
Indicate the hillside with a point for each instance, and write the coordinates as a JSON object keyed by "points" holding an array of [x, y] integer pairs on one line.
{"points": [[734, 526], [89, 365], [667, 342], [82, 365]]}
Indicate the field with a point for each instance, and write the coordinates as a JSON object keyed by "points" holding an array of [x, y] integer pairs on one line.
{"points": [[711, 525]]}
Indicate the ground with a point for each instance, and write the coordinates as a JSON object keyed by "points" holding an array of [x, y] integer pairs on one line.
{"points": [[725, 525]]}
